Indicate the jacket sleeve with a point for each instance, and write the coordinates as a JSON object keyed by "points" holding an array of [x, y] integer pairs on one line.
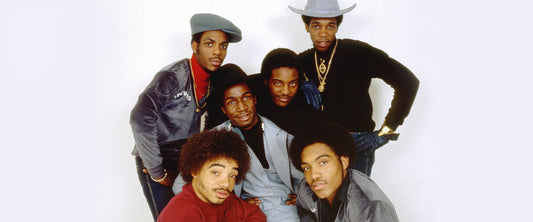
{"points": [[381, 212], [143, 121], [401, 79]]}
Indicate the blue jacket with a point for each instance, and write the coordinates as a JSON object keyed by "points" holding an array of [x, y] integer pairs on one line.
{"points": [[166, 113]]}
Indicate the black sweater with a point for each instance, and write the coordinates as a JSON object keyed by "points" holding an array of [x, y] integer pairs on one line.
{"points": [[346, 98]]}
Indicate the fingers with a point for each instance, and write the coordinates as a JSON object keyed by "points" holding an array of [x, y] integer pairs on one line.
{"points": [[292, 199], [253, 200], [145, 170]]}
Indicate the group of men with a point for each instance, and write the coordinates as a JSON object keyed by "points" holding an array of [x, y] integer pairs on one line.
{"points": [[295, 142]]}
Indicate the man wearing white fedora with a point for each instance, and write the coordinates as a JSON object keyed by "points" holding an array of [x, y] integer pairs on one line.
{"points": [[342, 70]]}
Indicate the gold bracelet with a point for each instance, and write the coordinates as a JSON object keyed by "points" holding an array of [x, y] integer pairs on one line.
{"points": [[159, 180]]}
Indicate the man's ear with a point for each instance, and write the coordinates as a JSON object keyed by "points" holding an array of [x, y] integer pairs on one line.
{"points": [[344, 162], [223, 109], [194, 47]]}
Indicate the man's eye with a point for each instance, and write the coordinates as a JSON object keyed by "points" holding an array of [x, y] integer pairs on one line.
{"points": [[292, 84], [246, 98], [224, 46], [323, 163], [305, 168], [231, 102], [277, 83], [233, 176], [208, 44], [215, 172]]}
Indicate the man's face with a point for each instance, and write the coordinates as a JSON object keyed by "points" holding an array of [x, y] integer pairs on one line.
{"points": [[211, 50], [323, 170], [282, 85], [215, 180], [322, 32], [239, 106]]}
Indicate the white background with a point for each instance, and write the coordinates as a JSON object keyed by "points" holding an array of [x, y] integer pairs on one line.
{"points": [[72, 70]]}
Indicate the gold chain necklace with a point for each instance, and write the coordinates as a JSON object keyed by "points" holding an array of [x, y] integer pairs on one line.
{"points": [[322, 70], [198, 107]]}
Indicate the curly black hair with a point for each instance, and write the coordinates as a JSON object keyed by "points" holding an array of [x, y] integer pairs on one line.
{"points": [[209, 145], [332, 134], [277, 58]]}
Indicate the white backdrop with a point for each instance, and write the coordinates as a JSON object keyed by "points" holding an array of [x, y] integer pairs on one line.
{"points": [[72, 70]]}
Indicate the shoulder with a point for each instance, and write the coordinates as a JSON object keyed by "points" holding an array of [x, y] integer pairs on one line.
{"points": [[169, 79], [181, 208], [365, 189], [305, 195], [272, 127], [223, 126], [305, 54], [359, 46]]}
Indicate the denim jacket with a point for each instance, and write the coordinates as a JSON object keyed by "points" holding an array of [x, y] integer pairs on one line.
{"points": [[166, 113]]}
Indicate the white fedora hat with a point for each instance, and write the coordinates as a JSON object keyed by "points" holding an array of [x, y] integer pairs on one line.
{"points": [[322, 9]]}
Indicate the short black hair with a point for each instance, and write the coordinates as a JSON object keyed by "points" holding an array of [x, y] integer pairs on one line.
{"points": [[307, 19], [224, 78], [332, 134], [277, 58], [209, 145], [196, 37]]}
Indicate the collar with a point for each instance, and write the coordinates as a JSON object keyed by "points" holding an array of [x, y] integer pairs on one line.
{"points": [[342, 192], [201, 77]]}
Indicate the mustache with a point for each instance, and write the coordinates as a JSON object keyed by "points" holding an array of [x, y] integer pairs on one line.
{"points": [[314, 182], [222, 189]]}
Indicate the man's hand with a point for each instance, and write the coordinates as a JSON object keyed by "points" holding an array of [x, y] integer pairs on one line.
{"points": [[253, 200], [312, 95], [168, 181], [291, 200], [368, 142]]}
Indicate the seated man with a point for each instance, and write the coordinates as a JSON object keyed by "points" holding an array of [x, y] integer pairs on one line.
{"points": [[276, 88], [211, 162], [271, 180], [332, 192]]}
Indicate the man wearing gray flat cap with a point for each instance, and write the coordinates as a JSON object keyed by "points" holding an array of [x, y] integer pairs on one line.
{"points": [[340, 72], [169, 110]]}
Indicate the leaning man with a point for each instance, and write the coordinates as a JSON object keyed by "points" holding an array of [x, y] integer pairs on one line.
{"points": [[169, 110], [332, 192], [211, 162]]}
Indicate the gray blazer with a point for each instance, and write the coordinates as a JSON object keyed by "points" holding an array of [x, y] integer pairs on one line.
{"points": [[277, 141]]}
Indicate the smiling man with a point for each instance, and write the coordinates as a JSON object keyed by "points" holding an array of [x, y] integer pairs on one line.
{"points": [[331, 191], [277, 90], [211, 163], [342, 70], [169, 110]]}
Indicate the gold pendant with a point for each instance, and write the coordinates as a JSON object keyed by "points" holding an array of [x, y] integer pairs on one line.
{"points": [[197, 110], [321, 87], [322, 68]]}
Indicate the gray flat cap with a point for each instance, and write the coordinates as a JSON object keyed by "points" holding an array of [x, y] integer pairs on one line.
{"points": [[208, 22]]}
